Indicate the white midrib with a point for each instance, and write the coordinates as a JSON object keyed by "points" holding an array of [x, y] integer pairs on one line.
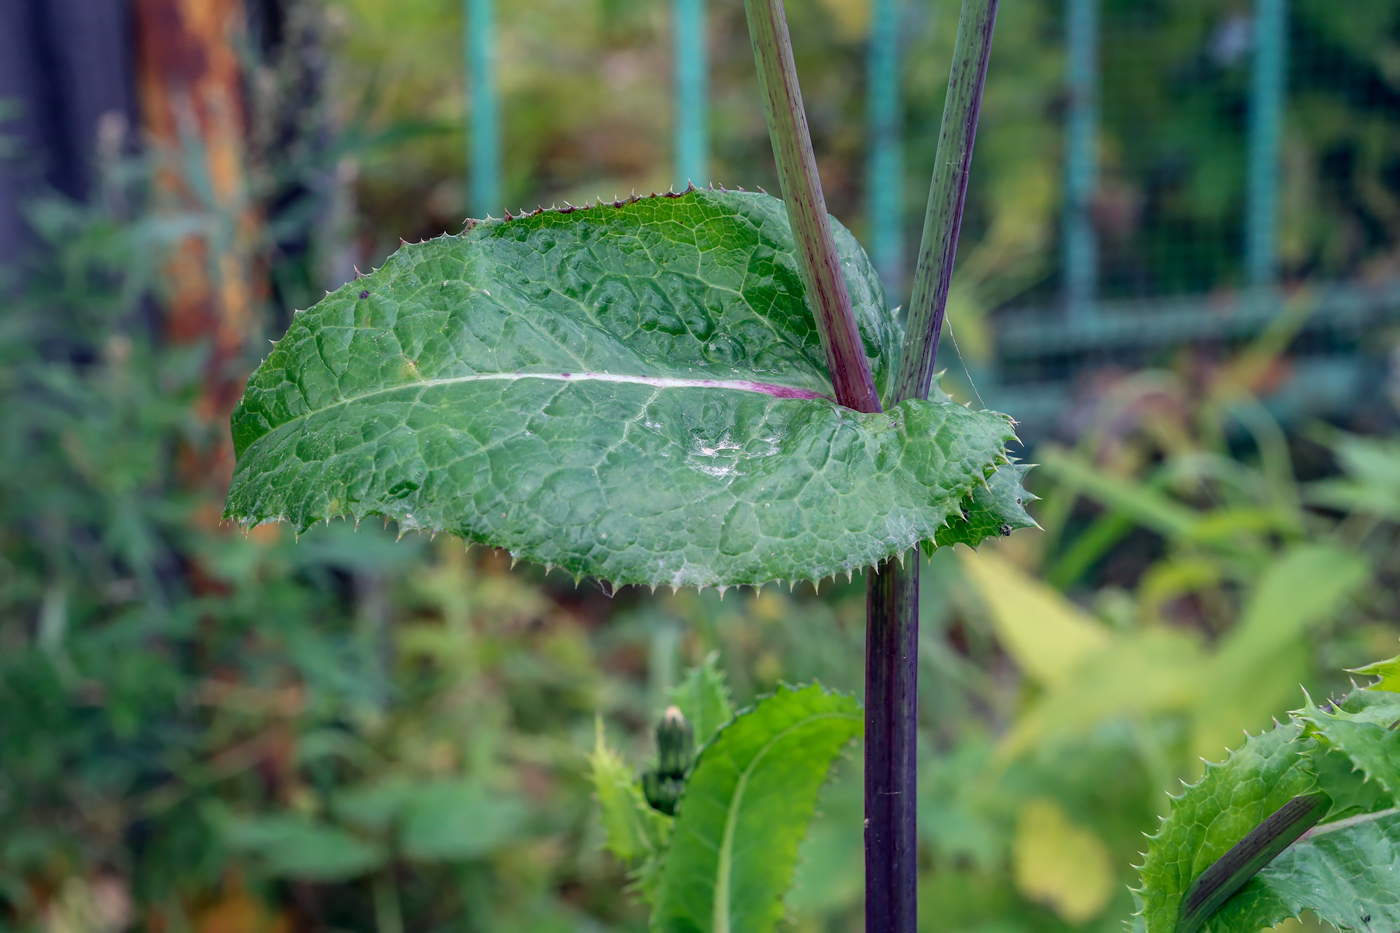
{"points": [[719, 922], [660, 382]]}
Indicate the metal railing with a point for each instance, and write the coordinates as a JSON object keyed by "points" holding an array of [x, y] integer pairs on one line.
{"points": [[1035, 348]]}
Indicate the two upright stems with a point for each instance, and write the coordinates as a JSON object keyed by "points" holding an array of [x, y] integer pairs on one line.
{"points": [[892, 602]]}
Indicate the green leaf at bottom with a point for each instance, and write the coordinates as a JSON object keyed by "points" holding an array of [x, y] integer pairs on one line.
{"points": [[746, 808]]}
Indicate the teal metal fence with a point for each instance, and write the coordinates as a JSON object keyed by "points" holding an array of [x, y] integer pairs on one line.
{"points": [[484, 107], [1188, 131], [1256, 159]]}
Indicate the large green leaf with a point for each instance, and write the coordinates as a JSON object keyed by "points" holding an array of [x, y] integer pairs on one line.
{"points": [[635, 391], [746, 808], [1348, 871]]}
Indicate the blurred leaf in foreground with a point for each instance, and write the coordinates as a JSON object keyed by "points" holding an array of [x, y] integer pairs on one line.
{"points": [[703, 697], [299, 847]]}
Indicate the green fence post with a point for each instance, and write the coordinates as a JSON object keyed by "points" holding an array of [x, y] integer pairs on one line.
{"points": [[1269, 87], [885, 159], [484, 110], [692, 108], [1080, 259]]}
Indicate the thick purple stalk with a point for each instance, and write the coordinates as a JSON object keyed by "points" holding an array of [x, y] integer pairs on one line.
{"points": [[891, 746], [947, 192], [806, 207]]}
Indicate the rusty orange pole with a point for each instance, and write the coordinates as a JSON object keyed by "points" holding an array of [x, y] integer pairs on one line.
{"points": [[190, 86]]}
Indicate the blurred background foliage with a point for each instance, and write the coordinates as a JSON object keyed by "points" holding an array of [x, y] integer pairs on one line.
{"points": [[205, 731]]}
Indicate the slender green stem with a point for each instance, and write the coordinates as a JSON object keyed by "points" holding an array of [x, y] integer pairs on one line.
{"points": [[388, 916], [1209, 892], [891, 698], [806, 207], [947, 191]]}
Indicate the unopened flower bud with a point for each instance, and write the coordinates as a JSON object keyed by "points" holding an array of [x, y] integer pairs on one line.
{"points": [[663, 793], [675, 744]]}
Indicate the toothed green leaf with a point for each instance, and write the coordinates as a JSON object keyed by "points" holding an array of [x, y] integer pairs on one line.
{"points": [[1362, 728], [1346, 869], [633, 392], [703, 697], [993, 510], [1340, 779], [634, 830], [1387, 671], [1217, 812], [1346, 873], [636, 833], [746, 808]]}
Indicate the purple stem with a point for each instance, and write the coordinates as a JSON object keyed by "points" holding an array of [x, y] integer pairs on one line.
{"points": [[891, 746], [947, 192], [806, 207], [892, 609]]}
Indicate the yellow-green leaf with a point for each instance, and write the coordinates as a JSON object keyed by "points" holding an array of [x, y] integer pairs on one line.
{"points": [[1060, 864]]}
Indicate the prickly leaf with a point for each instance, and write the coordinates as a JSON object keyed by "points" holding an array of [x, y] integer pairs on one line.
{"points": [[634, 830], [703, 696], [634, 391], [993, 510], [1346, 869], [1347, 873], [1363, 727], [1217, 812], [1387, 671]]}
